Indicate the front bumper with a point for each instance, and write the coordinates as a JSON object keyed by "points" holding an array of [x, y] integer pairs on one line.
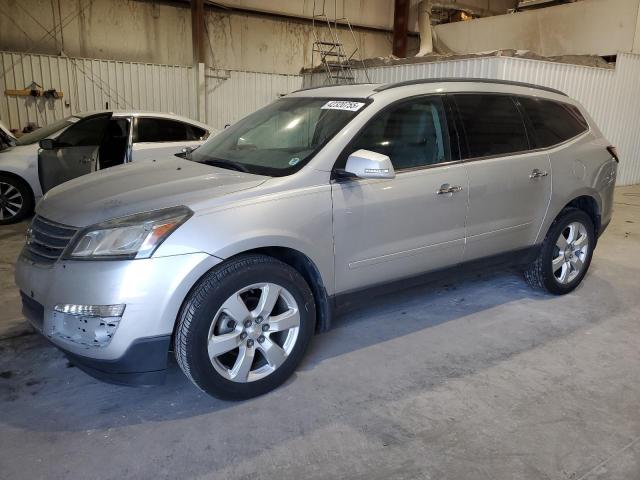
{"points": [[152, 290]]}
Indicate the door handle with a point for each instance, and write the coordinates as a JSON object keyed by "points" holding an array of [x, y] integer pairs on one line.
{"points": [[446, 188], [536, 173], [86, 160]]}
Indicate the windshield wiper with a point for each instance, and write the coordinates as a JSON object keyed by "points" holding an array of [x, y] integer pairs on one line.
{"points": [[231, 165]]}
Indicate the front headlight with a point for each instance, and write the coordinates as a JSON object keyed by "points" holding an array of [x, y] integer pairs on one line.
{"points": [[135, 236]]}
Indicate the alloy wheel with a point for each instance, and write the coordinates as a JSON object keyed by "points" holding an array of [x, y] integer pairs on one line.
{"points": [[11, 201], [570, 253], [253, 332]]}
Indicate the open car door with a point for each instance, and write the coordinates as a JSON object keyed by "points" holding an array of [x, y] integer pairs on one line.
{"points": [[73, 153]]}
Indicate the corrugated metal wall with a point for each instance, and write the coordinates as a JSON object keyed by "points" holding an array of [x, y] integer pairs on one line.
{"points": [[94, 84], [611, 96], [91, 85], [231, 95]]}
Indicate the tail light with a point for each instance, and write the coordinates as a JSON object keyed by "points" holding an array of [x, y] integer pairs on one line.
{"points": [[613, 152]]}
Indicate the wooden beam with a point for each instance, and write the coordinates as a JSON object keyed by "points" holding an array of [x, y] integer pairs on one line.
{"points": [[27, 92], [400, 27], [198, 31]]}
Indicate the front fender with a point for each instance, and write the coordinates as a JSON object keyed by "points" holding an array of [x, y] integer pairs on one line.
{"points": [[22, 162], [298, 222]]}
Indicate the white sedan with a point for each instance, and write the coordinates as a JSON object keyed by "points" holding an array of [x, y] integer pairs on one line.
{"points": [[82, 143]]}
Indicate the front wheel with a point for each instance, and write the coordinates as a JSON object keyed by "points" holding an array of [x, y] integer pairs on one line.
{"points": [[16, 199], [244, 327], [565, 254]]}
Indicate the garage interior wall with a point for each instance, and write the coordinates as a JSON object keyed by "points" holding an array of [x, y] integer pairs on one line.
{"points": [[252, 35], [160, 32], [104, 84], [610, 95], [588, 27]]}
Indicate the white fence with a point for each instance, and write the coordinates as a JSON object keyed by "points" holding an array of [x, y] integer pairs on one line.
{"points": [[611, 96], [105, 84]]}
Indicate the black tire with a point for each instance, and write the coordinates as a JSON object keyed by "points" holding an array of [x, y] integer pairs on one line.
{"points": [[206, 298], [539, 274], [15, 186]]}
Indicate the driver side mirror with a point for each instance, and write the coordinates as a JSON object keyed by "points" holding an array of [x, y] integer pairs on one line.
{"points": [[368, 164], [47, 144]]}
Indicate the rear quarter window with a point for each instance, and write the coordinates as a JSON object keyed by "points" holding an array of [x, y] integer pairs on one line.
{"points": [[196, 133], [553, 122]]}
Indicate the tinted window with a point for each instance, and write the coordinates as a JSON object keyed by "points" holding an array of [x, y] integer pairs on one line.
{"points": [[412, 134], [117, 127], [492, 124], [86, 132], [553, 122], [163, 130]]}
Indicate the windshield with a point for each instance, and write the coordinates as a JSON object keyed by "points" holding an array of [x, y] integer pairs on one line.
{"points": [[45, 132], [6, 140], [280, 138]]}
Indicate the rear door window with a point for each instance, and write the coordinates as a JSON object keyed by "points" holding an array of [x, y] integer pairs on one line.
{"points": [[162, 130], [553, 122], [492, 124]]}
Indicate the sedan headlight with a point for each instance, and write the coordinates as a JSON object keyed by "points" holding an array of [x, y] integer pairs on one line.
{"points": [[135, 236]]}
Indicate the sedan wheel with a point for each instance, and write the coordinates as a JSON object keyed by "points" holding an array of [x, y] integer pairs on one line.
{"points": [[11, 201], [16, 199]]}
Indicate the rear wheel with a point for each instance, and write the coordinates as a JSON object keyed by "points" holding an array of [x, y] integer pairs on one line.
{"points": [[245, 326], [565, 254], [16, 199]]}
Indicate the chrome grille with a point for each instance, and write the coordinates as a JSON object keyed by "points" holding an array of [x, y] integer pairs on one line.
{"points": [[46, 240]]}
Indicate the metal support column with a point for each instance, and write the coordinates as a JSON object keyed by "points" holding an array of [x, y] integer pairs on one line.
{"points": [[198, 32]]}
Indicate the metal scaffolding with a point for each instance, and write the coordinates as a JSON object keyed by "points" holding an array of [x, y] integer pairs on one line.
{"points": [[338, 60]]}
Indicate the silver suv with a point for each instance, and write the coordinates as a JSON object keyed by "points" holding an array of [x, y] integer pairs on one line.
{"points": [[234, 257]]}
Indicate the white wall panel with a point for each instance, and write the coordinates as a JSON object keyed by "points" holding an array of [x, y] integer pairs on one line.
{"points": [[99, 84], [610, 95], [90, 85]]}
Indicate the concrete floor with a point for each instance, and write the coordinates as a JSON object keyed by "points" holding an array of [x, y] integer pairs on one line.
{"points": [[481, 379]]}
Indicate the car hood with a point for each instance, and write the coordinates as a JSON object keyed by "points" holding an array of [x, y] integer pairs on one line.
{"points": [[30, 150], [140, 187]]}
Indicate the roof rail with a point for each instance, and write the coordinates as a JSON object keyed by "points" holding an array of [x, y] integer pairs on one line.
{"points": [[419, 81], [332, 85]]}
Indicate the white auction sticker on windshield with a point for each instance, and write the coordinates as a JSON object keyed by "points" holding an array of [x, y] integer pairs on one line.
{"points": [[343, 105]]}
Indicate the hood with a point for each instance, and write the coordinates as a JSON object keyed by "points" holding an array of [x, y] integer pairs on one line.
{"points": [[140, 187], [31, 150]]}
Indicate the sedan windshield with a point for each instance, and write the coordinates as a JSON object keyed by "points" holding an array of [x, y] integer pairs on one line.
{"points": [[280, 138], [47, 131], [6, 140]]}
